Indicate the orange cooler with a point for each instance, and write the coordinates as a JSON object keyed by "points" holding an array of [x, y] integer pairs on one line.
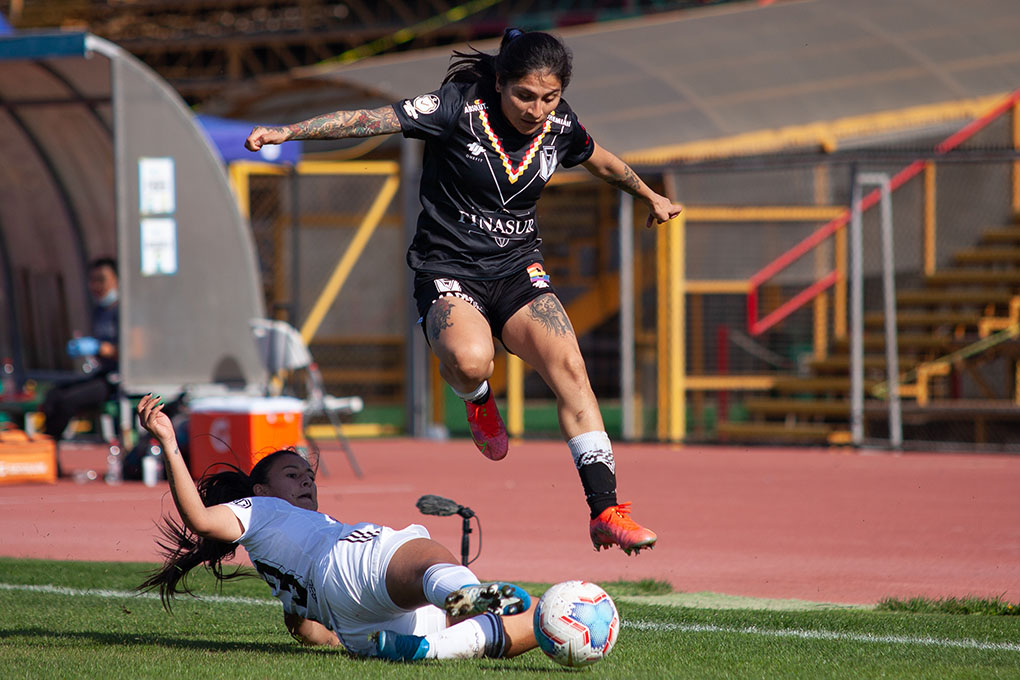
{"points": [[241, 430], [27, 459]]}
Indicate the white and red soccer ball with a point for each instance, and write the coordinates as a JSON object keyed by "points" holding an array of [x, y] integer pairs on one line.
{"points": [[576, 623]]}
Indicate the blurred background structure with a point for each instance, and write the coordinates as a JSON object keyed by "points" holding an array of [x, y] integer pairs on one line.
{"points": [[732, 323]]}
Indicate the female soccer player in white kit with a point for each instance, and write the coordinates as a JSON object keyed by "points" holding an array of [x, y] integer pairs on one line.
{"points": [[375, 590]]}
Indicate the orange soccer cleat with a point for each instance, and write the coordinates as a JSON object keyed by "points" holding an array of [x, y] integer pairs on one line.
{"points": [[487, 428], [615, 527]]}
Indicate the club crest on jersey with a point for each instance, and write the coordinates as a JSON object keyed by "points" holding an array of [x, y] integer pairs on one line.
{"points": [[547, 162], [426, 103], [448, 285], [539, 279]]}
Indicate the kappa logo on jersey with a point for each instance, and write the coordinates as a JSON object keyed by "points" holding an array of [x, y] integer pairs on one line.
{"points": [[448, 285], [547, 162], [539, 279], [476, 149]]}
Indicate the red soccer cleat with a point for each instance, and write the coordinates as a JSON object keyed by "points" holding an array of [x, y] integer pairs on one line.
{"points": [[615, 527], [487, 428]]}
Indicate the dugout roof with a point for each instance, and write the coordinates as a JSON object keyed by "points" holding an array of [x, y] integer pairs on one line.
{"points": [[102, 158], [651, 88]]}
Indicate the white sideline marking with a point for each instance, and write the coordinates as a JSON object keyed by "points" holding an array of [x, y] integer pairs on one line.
{"points": [[826, 635], [639, 625], [131, 595]]}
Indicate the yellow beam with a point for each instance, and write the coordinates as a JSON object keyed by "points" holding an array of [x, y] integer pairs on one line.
{"points": [[348, 168], [514, 395], [678, 327], [662, 333], [824, 134], [1016, 164], [718, 286], [349, 258], [729, 383], [929, 218], [763, 213], [240, 181], [352, 430]]}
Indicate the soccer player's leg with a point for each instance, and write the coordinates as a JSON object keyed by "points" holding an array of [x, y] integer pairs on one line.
{"points": [[461, 338], [541, 334]]}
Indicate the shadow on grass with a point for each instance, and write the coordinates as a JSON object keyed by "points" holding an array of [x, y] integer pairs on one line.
{"points": [[145, 639], [533, 662]]}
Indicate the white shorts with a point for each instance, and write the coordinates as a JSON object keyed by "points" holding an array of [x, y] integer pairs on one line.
{"points": [[354, 591]]}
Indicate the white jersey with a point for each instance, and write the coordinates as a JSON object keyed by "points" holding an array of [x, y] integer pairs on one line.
{"points": [[328, 571], [287, 546]]}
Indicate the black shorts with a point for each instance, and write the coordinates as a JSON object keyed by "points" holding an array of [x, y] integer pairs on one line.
{"points": [[496, 299]]}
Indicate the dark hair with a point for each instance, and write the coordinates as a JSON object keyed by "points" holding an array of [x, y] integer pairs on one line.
{"points": [[104, 262], [520, 53], [183, 550]]}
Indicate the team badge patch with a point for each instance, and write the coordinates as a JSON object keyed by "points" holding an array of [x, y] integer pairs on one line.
{"points": [[426, 103], [547, 162], [539, 279]]}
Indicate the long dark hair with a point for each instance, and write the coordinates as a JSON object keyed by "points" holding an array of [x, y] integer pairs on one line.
{"points": [[520, 53], [183, 550]]}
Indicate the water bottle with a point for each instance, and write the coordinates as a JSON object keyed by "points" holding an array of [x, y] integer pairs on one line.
{"points": [[152, 466], [7, 384], [114, 466]]}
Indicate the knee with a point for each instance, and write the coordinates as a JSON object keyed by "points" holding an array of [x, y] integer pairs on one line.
{"points": [[472, 360], [574, 372]]}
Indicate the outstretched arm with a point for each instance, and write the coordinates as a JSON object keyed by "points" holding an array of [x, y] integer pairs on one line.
{"points": [[309, 632], [336, 125], [607, 166], [217, 522]]}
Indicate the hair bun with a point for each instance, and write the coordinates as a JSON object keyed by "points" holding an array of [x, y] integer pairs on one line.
{"points": [[512, 34]]}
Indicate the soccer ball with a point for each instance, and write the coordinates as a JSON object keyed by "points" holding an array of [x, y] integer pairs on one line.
{"points": [[576, 623]]}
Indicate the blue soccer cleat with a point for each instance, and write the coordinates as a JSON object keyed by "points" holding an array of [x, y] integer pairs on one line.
{"points": [[396, 647], [502, 599]]}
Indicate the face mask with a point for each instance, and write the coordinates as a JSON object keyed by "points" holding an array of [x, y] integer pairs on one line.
{"points": [[108, 299]]}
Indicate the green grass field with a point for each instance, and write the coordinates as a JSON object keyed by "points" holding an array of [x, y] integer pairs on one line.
{"points": [[77, 620]]}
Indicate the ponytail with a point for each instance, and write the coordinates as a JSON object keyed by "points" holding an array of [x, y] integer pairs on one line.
{"points": [[183, 550], [520, 53]]}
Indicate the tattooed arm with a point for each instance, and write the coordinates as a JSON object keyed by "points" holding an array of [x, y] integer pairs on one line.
{"points": [[607, 166], [337, 125]]}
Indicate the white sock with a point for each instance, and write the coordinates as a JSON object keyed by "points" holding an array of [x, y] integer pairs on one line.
{"points": [[592, 447], [475, 394], [471, 639], [442, 579]]}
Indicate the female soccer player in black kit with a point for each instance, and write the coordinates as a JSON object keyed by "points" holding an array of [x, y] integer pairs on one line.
{"points": [[494, 133]]}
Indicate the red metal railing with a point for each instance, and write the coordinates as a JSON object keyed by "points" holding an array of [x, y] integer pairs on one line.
{"points": [[758, 326]]}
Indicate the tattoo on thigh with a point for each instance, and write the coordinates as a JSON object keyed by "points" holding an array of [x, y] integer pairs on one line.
{"points": [[438, 318], [548, 311]]}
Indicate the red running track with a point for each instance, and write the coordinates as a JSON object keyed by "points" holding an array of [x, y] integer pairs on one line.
{"points": [[812, 524]]}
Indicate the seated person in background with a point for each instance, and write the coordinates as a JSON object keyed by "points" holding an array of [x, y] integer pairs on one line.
{"points": [[100, 350]]}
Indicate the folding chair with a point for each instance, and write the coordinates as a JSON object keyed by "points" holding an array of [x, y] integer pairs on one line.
{"points": [[282, 348]]}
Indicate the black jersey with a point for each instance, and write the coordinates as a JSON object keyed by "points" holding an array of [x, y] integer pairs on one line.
{"points": [[481, 179]]}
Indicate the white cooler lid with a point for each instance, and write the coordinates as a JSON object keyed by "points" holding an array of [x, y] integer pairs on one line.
{"points": [[243, 403]]}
